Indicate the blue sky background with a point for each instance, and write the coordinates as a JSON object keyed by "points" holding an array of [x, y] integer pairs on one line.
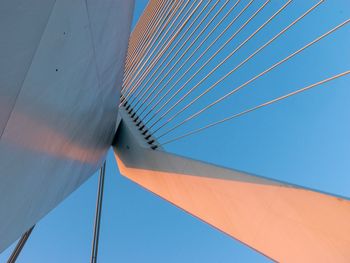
{"points": [[303, 140]]}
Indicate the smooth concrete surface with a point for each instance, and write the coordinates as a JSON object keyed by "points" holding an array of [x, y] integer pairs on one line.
{"points": [[61, 67], [287, 223]]}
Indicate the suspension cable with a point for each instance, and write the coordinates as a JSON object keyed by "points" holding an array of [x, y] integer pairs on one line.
{"points": [[141, 30], [257, 76], [237, 67], [151, 26], [141, 83], [188, 58], [141, 69], [183, 86], [149, 48], [135, 74], [190, 67], [140, 27], [164, 49], [183, 54], [154, 30], [257, 107]]}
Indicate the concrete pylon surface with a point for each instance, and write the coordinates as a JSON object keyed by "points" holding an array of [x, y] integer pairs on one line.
{"points": [[287, 223]]}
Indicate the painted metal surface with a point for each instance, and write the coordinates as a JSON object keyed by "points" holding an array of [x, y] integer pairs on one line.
{"points": [[18, 43], [285, 222], [61, 67]]}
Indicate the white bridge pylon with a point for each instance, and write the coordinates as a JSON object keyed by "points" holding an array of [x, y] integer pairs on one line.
{"points": [[189, 61], [67, 64]]}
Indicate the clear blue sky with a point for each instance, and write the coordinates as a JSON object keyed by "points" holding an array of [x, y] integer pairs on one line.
{"points": [[304, 140]]}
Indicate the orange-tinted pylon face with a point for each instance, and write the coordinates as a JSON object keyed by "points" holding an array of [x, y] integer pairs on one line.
{"points": [[284, 222]]}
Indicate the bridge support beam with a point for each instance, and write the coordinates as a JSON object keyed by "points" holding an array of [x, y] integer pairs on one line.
{"points": [[285, 222], [20, 246], [98, 213]]}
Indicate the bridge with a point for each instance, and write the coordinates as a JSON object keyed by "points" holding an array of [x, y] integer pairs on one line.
{"points": [[83, 85]]}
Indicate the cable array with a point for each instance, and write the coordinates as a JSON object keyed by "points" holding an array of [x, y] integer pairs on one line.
{"points": [[182, 54]]}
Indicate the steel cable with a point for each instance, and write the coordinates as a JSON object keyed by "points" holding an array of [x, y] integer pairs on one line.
{"points": [[135, 74], [207, 75], [240, 64], [141, 82], [257, 76], [154, 31], [174, 56], [155, 26], [172, 87], [188, 58], [256, 107]]}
